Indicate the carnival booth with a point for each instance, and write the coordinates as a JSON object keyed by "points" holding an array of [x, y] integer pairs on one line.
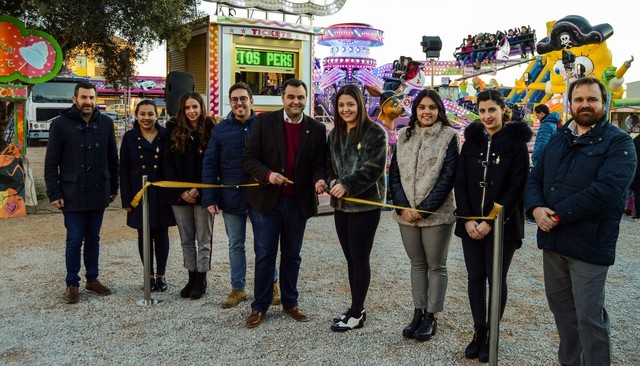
{"points": [[224, 50], [31, 57]]}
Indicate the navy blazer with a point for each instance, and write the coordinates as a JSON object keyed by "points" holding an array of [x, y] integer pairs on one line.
{"points": [[265, 151]]}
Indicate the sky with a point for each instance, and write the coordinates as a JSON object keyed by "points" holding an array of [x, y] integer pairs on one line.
{"points": [[404, 22]]}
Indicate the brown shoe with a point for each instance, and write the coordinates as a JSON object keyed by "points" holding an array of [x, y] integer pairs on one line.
{"points": [[234, 298], [254, 319], [97, 288], [276, 294], [296, 314], [71, 295]]}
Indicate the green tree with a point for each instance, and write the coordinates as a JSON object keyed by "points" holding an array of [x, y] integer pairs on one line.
{"points": [[138, 26]]}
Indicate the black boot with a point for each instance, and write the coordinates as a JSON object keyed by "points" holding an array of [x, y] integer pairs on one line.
{"points": [[152, 282], [483, 354], [473, 348], [186, 291], [427, 328], [407, 332], [199, 286], [204, 283]]}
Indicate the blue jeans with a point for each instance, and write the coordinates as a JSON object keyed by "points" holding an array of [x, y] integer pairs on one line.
{"points": [[575, 292], [285, 224], [82, 226], [236, 228]]}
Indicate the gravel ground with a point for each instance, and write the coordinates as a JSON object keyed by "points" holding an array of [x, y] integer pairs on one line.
{"points": [[37, 328]]}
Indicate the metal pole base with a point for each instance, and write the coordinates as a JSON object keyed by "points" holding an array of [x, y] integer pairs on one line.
{"points": [[145, 303]]}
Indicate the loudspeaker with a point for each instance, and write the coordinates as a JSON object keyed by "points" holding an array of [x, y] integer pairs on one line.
{"points": [[178, 83], [431, 46]]}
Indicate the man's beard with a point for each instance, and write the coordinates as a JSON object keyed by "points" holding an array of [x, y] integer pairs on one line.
{"points": [[588, 120], [85, 105]]}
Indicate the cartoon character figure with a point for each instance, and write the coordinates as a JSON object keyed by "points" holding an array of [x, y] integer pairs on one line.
{"points": [[390, 106], [479, 84], [587, 44]]}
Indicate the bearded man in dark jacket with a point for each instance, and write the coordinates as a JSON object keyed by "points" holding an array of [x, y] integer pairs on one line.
{"points": [[81, 175], [576, 195]]}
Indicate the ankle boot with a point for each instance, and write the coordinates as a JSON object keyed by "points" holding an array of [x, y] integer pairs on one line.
{"points": [[483, 354], [204, 282], [427, 328], [199, 285], [473, 348], [408, 331], [186, 291]]}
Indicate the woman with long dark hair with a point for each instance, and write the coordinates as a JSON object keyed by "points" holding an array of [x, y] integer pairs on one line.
{"points": [[357, 163], [493, 168], [141, 153], [189, 134], [421, 176]]}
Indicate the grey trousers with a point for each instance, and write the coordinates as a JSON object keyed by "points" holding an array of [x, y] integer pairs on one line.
{"points": [[575, 292], [427, 248], [195, 227]]}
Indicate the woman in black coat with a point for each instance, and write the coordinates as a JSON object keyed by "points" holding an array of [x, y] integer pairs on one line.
{"points": [[493, 168], [141, 153], [189, 134]]}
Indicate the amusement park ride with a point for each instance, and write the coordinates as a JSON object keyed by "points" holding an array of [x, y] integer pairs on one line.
{"points": [[572, 49]]}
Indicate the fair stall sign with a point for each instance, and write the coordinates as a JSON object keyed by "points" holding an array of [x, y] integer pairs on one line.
{"points": [[28, 55], [267, 33], [13, 92], [18, 95], [264, 58]]}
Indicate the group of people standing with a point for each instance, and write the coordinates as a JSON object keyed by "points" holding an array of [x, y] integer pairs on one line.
{"points": [[574, 192]]}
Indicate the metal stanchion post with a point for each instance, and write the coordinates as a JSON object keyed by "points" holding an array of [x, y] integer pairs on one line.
{"points": [[496, 288], [146, 251], [432, 61]]}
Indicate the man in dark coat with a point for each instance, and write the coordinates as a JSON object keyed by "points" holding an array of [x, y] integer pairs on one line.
{"points": [[576, 195], [222, 164], [81, 175], [286, 154]]}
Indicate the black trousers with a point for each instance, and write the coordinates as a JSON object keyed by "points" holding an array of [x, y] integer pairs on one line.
{"points": [[478, 258], [356, 231], [159, 244]]}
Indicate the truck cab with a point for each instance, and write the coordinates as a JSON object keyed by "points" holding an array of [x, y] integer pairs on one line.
{"points": [[45, 102]]}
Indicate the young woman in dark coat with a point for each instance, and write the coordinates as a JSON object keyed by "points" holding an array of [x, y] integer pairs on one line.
{"points": [[493, 168], [356, 168], [189, 134], [141, 153]]}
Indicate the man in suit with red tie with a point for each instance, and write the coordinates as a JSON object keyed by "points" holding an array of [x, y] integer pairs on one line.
{"points": [[286, 154]]}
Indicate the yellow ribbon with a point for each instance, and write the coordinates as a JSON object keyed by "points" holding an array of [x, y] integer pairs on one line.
{"points": [[169, 184], [492, 215]]}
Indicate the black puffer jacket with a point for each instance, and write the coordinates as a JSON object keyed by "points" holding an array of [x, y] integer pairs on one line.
{"points": [[506, 157], [222, 164]]}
